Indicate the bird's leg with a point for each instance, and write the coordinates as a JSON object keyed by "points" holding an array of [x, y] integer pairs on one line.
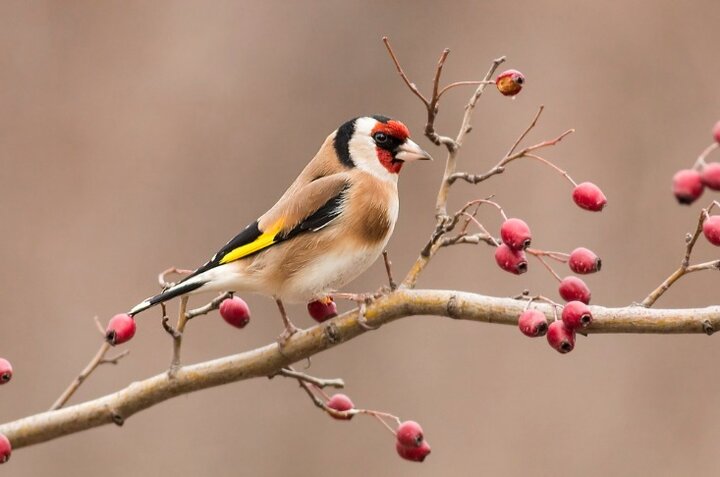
{"points": [[362, 300], [289, 330]]}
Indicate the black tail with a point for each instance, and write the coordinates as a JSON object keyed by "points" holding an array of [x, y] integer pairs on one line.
{"points": [[169, 294]]}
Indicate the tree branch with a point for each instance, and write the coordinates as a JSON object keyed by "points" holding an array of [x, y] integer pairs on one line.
{"points": [[269, 360]]}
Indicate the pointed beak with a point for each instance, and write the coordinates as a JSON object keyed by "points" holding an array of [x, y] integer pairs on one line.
{"points": [[409, 151]]}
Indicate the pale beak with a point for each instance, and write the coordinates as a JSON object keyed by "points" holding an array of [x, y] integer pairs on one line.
{"points": [[409, 151]]}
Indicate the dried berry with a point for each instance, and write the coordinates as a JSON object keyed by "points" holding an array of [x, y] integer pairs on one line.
{"points": [[510, 82]]}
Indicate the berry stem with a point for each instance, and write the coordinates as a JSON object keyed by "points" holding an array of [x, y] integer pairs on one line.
{"points": [[463, 83], [553, 166], [685, 266], [559, 256], [546, 265], [211, 306], [480, 226], [700, 162]]}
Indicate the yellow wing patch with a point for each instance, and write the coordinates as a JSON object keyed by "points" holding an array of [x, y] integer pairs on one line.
{"points": [[266, 239]]}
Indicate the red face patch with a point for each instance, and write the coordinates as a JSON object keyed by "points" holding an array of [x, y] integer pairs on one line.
{"points": [[394, 129], [388, 161]]}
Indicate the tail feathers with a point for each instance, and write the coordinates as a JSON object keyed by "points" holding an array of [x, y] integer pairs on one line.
{"points": [[170, 293]]}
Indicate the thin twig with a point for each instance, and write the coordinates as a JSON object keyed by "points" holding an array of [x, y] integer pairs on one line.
{"points": [[685, 266], [289, 372], [162, 276], [96, 361], [178, 337], [499, 168], [388, 270], [407, 81], [205, 309], [462, 83]]}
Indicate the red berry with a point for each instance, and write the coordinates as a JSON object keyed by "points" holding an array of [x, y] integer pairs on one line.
{"points": [[510, 260], [532, 323], [409, 434], [120, 328], [687, 186], [710, 175], [561, 337], [323, 309], [572, 288], [235, 312], [588, 196], [584, 261], [5, 449], [716, 132], [711, 229], [510, 82], [414, 454], [340, 402], [515, 233], [5, 371], [576, 314]]}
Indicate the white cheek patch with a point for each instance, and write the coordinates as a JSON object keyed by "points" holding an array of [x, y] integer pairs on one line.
{"points": [[363, 150]]}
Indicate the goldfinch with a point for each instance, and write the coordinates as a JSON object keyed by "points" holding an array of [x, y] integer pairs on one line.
{"points": [[330, 225]]}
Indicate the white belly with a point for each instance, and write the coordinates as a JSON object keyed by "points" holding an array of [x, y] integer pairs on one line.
{"points": [[330, 272]]}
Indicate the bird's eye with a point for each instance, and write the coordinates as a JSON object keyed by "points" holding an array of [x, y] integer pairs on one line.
{"points": [[380, 138], [519, 79]]}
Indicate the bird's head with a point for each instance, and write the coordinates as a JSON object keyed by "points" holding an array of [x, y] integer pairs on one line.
{"points": [[377, 144]]}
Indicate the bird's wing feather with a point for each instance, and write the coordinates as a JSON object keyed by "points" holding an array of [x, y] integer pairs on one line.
{"points": [[310, 208]]}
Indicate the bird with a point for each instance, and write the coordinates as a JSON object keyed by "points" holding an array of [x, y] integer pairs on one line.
{"points": [[329, 226]]}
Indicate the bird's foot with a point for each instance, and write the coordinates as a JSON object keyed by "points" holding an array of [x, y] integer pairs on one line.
{"points": [[287, 333], [362, 300]]}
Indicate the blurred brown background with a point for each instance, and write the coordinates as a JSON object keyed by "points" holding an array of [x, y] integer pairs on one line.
{"points": [[139, 135]]}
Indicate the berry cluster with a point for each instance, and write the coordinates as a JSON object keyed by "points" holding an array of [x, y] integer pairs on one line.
{"points": [[6, 373], [689, 184], [410, 443], [511, 256], [561, 332]]}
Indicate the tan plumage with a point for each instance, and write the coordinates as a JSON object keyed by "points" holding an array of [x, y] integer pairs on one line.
{"points": [[329, 226]]}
